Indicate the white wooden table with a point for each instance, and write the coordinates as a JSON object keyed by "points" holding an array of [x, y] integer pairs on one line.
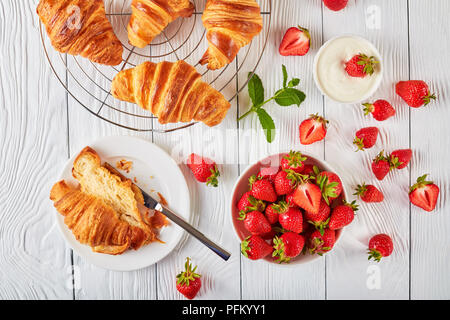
{"points": [[41, 126]]}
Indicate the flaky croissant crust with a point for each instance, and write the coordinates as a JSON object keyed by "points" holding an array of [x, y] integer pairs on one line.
{"points": [[80, 27], [150, 17], [174, 92], [231, 25]]}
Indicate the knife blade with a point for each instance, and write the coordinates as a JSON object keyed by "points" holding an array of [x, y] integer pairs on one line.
{"points": [[154, 204]]}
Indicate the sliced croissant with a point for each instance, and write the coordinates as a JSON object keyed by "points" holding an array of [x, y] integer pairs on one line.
{"points": [[231, 25], [150, 17], [80, 27], [174, 92]]}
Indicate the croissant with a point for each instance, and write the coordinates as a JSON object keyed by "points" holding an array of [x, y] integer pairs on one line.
{"points": [[150, 17], [95, 223], [80, 27], [174, 92], [231, 25]]}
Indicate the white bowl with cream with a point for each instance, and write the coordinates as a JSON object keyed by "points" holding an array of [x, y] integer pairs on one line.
{"points": [[330, 75]]}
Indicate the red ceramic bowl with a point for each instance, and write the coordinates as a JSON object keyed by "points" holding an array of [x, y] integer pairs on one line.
{"points": [[241, 186]]}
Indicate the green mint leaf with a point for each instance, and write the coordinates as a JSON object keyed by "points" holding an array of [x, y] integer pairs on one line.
{"points": [[267, 124], [255, 89], [285, 75], [289, 96], [294, 82]]}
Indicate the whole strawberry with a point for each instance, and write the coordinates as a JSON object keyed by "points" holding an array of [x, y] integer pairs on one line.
{"points": [[255, 247], [291, 219], [313, 129], [255, 222], [342, 215], [290, 200], [293, 161], [361, 65], [320, 219], [188, 282], [286, 181], [380, 109], [262, 189], [414, 92], [268, 173], [366, 138], [369, 193], [380, 246], [424, 194], [321, 243], [250, 203], [335, 5], [308, 170], [271, 213], [399, 159], [296, 42], [329, 183], [288, 246], [204, 169], [381, 166]]}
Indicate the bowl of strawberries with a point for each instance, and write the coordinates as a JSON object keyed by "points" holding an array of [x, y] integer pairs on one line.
{"points": [[289, 208]]}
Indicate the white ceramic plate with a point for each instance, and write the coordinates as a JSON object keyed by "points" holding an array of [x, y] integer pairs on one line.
{"points": [[155, 171]]}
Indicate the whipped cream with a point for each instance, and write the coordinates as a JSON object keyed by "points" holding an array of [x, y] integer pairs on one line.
{"points": [[331, 76]]}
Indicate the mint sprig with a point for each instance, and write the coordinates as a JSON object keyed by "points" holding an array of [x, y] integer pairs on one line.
{"points": [[286, 96]]}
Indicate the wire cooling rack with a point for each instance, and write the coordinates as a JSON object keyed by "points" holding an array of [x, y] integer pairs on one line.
{"points": [[89, 83]]}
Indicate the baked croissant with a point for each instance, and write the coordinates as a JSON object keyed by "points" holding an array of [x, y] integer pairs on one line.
{"points": [[150, 17], [95, 223], [231, 25], [174, 92], [80, 27]]}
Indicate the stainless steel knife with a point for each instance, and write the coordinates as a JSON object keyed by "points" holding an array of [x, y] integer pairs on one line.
{"points": [[154, 204]]}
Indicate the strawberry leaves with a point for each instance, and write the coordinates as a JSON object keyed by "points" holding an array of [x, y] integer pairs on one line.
{"points": [[286, 96]]}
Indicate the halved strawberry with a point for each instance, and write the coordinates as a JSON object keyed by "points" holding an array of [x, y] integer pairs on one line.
{"points": [[307, 196], [296, 42], [424, 194], [313, 129]]}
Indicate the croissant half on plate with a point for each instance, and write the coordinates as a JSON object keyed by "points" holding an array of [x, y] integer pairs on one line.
{"points": [[150, 17], [174, 92], [80, 27], [230, 25], [106, 212]]}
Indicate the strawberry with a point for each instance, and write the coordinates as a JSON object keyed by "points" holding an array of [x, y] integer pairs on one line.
{"points": [[307, 196], [255, 247], [268, 172], [293, 161], [271, 213], [321, 243], [365, 138], [290, 200], [188, 282], [255, 222], [288, 246], [329, 183], [369, 193], [414, 92], [380, 246], [380, 166], [204, 169], [308, 170], [290, 219], [320, 219], [380, 109], [335, 5], [313, 129], [250, 203], [262, 189], [399, 159], [296, 42], [342, 215], [424, 194], [286, 181], [360, 65], [269, 235]]}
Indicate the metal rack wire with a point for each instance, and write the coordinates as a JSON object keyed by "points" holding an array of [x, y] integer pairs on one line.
{"points": [[89, 83]]}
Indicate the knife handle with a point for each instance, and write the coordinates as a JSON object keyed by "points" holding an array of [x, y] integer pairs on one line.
{"points": [[225, 255]]}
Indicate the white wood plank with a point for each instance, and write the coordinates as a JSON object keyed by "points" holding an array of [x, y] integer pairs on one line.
{"points": [[430, 250], [347, 266], [34, 260], [269, 281]]}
